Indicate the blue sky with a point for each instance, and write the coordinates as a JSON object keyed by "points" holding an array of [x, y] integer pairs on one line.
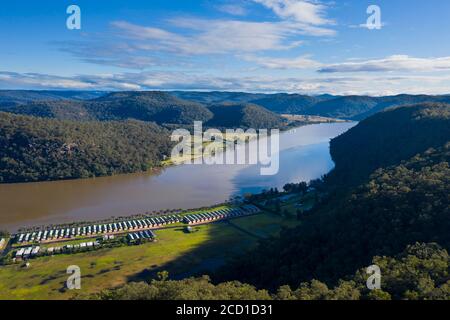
{"points": [[301, 46]]}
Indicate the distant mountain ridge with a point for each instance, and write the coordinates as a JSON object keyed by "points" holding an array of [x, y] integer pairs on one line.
{"points": [[25, 96], [153, 106], [173, 106], [343, 107], [387, 138], [247, 115]]}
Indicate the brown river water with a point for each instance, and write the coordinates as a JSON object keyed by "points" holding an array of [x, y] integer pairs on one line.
{"points": [[304, 155]]}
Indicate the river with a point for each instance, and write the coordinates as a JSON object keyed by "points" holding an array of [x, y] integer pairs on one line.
{"points": [[304, 155]]}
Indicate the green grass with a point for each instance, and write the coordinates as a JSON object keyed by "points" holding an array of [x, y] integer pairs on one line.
{"points": [[178, 252], [264, 225], [291, 206], [81, 239]]}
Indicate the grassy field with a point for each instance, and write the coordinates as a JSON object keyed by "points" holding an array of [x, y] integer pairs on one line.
{"points": [[207, 147], [180, 253], [293, 204]]}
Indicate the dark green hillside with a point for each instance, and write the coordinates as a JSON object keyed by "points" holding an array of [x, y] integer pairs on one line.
{"points": [[288, 103], [362, 107], [159, 107], [243, 116], [62, 110], [398, 205], [179, 107], [387, 138], [279, 102], [187, 289], [421, 272], [343, 107], [36, 149], [13, 97], [217, 97], [400, 100]]}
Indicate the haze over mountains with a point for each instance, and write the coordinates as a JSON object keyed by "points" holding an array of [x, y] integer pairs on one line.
{"points": [[344, 107], [159, 107], [24, 96], [54, 120], [183, 106]]}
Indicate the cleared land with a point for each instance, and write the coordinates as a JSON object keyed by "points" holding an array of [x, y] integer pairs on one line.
{"points": [[208, 148], [310, 119], [180, 253]]}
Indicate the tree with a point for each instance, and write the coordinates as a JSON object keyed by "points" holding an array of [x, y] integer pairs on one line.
{"points": [[4, 234]]}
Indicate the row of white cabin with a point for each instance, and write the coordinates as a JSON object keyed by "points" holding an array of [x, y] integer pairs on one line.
{"points": [[25, 253], [220, 214], [66, 233], [145, 235], [30, 252], [70, 247], [138, 224]]}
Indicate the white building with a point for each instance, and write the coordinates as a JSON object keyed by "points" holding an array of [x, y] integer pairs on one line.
{"points": [[35, 251]]}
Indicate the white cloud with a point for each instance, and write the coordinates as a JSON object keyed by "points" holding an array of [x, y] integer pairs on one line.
{"points": [[353, 85], [302, 62], [391, 63], [182, 40], [233, 9], [14, 80], [217, 36], [303, 11]]}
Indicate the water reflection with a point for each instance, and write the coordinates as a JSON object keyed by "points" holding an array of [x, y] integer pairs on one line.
{"points": [[304, 155]]}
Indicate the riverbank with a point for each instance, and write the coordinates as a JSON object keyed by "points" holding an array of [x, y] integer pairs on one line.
{"points": [[203, 248], [209, 148], [180, 253], [304, 156]]}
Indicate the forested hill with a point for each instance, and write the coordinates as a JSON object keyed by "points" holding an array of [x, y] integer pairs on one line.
{"points": [[387, 138], [418, 273], [56, 109], [217, 97], [14, 97], [345, 107], [244, 115], [361, 107], [159, 107], [37, 149], [120, 132], [398, 205], [289, 103], [179, 107]]}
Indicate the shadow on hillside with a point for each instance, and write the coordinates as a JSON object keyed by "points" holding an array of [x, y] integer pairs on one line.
{"points": [[205, 258]]}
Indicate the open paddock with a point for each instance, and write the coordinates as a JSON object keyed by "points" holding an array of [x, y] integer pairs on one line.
{"points": [[175, 251]]}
